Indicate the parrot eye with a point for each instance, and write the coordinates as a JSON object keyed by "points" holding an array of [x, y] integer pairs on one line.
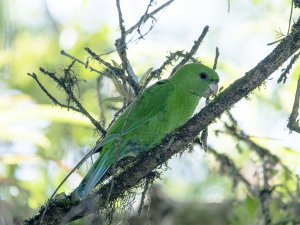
{"points": [[203, 75]]}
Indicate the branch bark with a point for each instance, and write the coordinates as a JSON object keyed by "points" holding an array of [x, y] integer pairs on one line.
{"points": [[66, 208]]}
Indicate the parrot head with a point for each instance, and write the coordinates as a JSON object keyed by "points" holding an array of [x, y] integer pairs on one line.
{"points": [[197, 79]]}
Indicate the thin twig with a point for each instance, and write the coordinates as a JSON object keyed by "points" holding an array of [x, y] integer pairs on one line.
{"points": [[143, 19], [228, 4], [265, 195], [192, 51], [262, 152], [234, 171], [279, 36], [290, 19], [147, 16], [157, 73], [153, 19], [204, 133], [116, 71], [71, 95], [203, 138], [89, 154], [274, 42], [216, 59], [286, 71], [82, 63], [268, 162], [100, 100], [293, 123], [121, 22], [53, 99], [121, 49]]}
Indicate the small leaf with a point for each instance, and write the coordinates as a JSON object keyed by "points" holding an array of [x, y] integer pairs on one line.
{"points": [[221, 89], [114, 99], [116, 65], [120, 88], [145, 76]]}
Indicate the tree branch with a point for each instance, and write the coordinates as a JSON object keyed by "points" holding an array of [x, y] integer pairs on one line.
{"points": [[62, 208]]}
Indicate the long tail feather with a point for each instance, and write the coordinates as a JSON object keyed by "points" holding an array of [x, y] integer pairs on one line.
{"points": [[94, 175]]}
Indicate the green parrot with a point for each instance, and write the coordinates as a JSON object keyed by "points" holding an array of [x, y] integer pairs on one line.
{"points": [[157, 111]]}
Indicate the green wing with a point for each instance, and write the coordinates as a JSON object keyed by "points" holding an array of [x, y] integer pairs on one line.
{"points": [[146, 106]]}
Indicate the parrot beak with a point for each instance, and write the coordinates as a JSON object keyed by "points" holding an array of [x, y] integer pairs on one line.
{"points": [[213, 88]]}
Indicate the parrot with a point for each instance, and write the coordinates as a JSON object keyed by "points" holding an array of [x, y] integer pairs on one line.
{"points": [[154, 113]]}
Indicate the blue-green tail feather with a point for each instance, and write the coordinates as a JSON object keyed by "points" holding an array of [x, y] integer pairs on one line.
{"points": [[94, 175]]}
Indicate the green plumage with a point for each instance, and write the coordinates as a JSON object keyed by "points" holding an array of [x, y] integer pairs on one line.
{"points": [[157, 111]]}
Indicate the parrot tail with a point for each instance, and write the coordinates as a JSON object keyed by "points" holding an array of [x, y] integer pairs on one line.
{"points": [[94, 175]]}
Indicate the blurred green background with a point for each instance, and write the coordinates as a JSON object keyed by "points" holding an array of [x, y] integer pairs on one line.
{"points": [[40, 142]]}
